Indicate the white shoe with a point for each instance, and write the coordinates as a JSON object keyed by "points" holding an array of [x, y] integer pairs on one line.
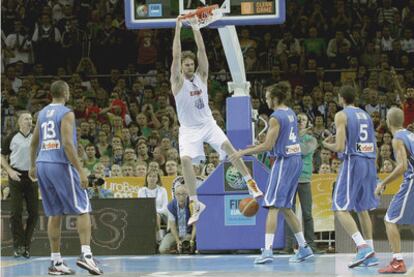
{"points": [[254, 189], [195, 212]]}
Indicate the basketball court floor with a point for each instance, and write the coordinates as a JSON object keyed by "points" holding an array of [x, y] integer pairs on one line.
{"points": [[327, 265]]}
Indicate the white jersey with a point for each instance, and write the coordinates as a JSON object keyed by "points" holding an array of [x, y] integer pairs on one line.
{"points": [[192, 103]]}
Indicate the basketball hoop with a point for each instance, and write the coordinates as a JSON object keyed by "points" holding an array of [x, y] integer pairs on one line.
{"points": [[202, 16]]}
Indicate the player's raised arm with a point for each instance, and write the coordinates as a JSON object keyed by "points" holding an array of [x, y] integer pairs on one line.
{"points": [[176, 78], [201, 56]]}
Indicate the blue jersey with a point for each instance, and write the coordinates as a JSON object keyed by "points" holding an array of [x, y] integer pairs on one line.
{"points": [[50, 138], [287, 143], [360, 134], [408, 138]]}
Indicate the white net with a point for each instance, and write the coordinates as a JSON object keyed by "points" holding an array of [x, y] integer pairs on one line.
{"points": [[203, 18]]}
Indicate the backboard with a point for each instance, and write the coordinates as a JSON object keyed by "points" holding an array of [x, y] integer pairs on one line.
{"points": [[154, 14]]}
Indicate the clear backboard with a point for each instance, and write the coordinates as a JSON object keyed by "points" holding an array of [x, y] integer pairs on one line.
{"points": [[153, 14]]}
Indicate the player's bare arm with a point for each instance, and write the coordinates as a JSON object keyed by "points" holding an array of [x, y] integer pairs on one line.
{"points": [[271, 137], [202, 69], [69, 147], [400, 168], [176, 78], [33, 151], [339, 144]]}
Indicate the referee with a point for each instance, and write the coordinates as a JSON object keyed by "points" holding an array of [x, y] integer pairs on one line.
{"points": [[17, 148]]}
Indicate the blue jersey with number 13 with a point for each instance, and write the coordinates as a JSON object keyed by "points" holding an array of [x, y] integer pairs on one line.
{"points": [[50, 138]]}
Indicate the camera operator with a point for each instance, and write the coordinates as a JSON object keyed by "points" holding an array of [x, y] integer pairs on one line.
{"points": [[181, 236], [14, 160], [95, 189]]}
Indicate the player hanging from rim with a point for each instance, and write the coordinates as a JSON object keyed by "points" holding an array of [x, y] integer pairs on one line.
{"points": [[283, 140], [197, 125], [401, 207]]}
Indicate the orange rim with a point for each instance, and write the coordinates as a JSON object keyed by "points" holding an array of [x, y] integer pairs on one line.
{"points": [[200, 12]]}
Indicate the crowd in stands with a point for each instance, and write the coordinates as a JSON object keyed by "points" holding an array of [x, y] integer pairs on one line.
{"points": [[126, 121]]}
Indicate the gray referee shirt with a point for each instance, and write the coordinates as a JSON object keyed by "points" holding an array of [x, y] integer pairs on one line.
{"points": [[17, 147]]}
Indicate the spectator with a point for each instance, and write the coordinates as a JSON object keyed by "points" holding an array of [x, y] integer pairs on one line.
{"points": [[142, 151], [20, 46], [104, 148], [91, 159], [171, 168], [335, 165], [95, 189], [140, 169], [127, 170], [324, 169], [116, 171], [153, 189], [46, 39], [178, 215], [387, 166]]}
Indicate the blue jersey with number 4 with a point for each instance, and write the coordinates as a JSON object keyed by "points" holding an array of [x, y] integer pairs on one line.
{"points": [[50, 139], [287, 143], [360, 134]]}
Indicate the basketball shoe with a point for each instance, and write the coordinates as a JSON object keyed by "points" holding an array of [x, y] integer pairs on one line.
{"points": [[395, 266], [304, 253], [58, 269], [364, 252], [89, 263], [196, 208], [254, 189], [265, 257], [373, 261]]}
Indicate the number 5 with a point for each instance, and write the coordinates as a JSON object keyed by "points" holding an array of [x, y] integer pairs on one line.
{"points": [[363, 132]]}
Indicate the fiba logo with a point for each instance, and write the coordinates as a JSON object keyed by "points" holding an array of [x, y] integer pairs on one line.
{"points": [[142, 10], [234, 179]]}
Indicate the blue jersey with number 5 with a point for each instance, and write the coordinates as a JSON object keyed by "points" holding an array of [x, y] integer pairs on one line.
{"points": [[360, 134], [50, 138], [287, 143]]}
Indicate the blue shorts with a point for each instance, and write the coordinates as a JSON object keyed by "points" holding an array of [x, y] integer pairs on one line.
{"points": [[355, 185], [401, 207], [61, 190], [283, 182]]}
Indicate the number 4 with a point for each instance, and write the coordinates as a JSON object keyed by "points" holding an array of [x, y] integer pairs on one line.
{"points": [[292, 135]]}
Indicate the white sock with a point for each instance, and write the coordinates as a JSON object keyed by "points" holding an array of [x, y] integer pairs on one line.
{"points": [[86, 249], [300, 239], [370, 242], [56, 258], [247, 178], [357, 237], [397, 256], [269, 241]]}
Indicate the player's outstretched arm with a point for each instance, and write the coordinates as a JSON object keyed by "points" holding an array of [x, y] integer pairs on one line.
{"points": [[33, 150], [339, 144], [401, 167], [176, 78], [201, 56], [271, 137]]}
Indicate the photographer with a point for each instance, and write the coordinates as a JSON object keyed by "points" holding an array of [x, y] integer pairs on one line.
{"points": [[95, 189], [181, 237]]}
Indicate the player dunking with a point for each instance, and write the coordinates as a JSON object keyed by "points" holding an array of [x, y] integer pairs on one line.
{"points": [[62, 180], [401, 207], [197, 125], [356, 182], [283, 140]]}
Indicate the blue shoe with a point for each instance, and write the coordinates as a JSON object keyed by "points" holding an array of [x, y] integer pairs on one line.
{"points": [[373, 261], [364, 253], [265, 257], [303, 253]]}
